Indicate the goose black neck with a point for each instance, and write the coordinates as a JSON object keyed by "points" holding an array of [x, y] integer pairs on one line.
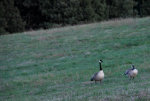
{"points": [[100, 66], [133, 67]]}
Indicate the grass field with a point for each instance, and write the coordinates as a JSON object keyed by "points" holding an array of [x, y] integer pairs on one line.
{"points": [[57, 64]]}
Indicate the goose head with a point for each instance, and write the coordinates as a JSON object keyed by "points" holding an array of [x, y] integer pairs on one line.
{"points": [[100, 61]]}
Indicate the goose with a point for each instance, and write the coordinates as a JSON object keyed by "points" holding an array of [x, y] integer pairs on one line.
{"points": [[132, 72], [99, 76]]}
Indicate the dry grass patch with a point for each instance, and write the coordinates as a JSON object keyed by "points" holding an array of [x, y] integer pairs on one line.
{"points": [[119, 22]]}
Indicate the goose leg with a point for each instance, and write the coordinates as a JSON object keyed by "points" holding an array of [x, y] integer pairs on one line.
{"points": [[130, 78]]}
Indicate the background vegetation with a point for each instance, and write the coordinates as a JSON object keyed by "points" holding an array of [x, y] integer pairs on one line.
{"points": [[20, 15], [57, 64]]}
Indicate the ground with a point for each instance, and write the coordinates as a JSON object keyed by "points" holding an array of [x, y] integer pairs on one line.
{"points": [[57, 64]]}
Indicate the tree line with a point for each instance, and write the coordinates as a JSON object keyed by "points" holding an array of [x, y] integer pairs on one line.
{"points": [[21, 15]]}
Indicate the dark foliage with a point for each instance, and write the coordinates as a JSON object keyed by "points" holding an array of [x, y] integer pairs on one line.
{"points": [[17, 15], [10, 17]]}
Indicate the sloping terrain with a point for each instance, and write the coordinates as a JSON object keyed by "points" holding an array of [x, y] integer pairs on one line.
{"points": [[57, 64]]}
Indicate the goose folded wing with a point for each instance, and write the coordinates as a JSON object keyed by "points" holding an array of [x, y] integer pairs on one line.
{"points": [[93, 77]]}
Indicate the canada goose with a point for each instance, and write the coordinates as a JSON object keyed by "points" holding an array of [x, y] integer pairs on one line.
{"points": [[99, 76], [132, 72]]}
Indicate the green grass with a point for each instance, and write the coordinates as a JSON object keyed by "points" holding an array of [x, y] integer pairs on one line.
{"points": [[57, 64]]}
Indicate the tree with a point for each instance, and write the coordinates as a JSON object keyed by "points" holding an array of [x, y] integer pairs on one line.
{"points": [[11, 19], [100, 9], [30, 12], [3, 23], [86, 12], [121, 8], [144, 7]]}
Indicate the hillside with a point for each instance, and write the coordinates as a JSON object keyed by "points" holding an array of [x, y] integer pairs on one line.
{"points": [[57, 64]]}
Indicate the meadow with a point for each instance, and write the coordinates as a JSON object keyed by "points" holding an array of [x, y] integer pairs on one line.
{"points": [[57, 64]]}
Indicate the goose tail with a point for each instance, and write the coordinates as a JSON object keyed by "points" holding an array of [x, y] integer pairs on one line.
{"points": [[125, 74], [92, 79]]}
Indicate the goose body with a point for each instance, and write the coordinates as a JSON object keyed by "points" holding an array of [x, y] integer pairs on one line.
{"points": [[99, 76], [132, 72]]}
